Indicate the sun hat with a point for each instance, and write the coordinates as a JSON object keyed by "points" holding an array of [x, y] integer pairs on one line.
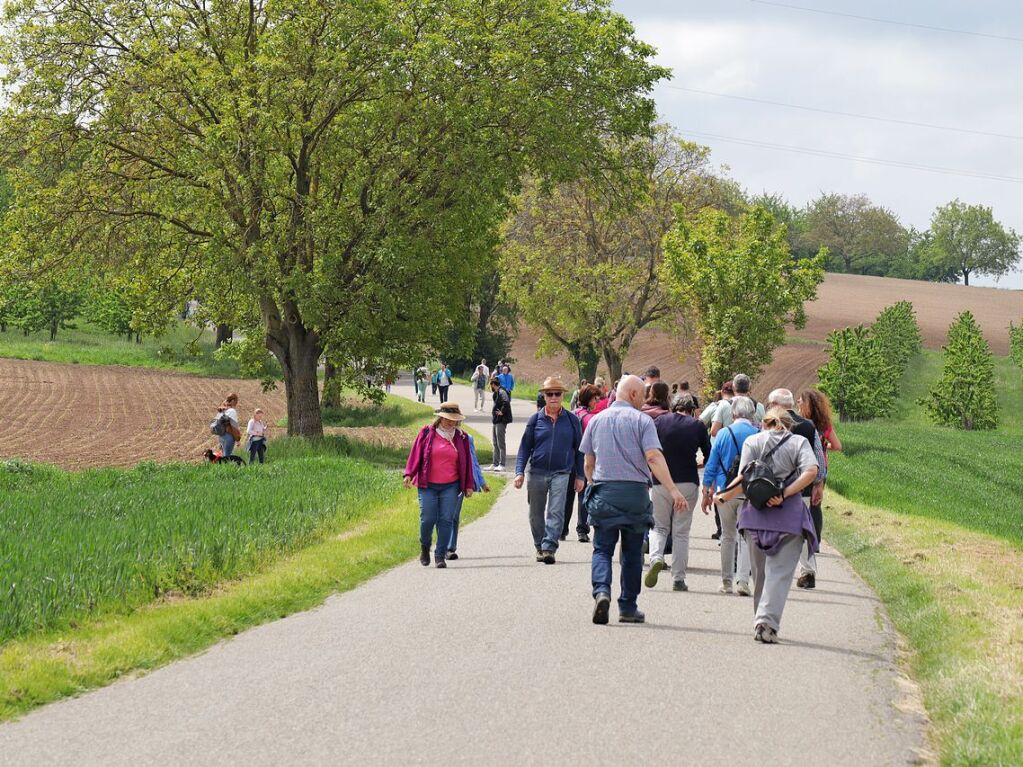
{"points": [[553, 383], [449, 410]]}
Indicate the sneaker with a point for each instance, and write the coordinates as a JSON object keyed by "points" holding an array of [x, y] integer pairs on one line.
{"points": [[726, 587], [679, 586], [807, 581], [601, 607], [451, 555], [424, 556], [651, 576], [636, 617], [547, 557], [584, 538], [742, 589], [765, 634]]}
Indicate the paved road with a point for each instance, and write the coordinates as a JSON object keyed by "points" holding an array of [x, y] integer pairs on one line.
{"points": [[495, 661]]}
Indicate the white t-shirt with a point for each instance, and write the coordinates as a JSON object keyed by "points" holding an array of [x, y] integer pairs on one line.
{"points": [[256, 428], [233, 415]]}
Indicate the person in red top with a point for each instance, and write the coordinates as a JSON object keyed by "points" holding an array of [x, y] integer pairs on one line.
{"points": [[590, 397], [440, 465], [816, 407]]}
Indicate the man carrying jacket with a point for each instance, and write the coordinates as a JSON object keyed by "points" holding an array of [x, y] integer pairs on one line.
{"points": [[550, 446]]}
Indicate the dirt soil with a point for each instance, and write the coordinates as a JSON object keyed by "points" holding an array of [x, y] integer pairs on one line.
{"points": [[82, 416], [842, 300]]}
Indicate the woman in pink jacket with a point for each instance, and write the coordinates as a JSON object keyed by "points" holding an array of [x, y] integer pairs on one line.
{"points": [[440, 465]]}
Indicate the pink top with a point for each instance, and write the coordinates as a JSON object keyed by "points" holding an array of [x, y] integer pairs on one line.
{"points": [[443, 462]]}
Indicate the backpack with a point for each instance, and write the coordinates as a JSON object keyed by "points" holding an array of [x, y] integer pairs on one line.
{"points": [[759, 481], [218, 425]]}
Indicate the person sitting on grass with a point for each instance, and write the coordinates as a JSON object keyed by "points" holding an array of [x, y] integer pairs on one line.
{"points": [[256, 429]]}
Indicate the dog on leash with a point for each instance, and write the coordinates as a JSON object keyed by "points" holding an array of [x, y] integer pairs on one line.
{"points": [[212, 457]]}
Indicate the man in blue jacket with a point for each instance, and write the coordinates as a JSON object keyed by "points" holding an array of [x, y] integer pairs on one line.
{"points": [[550, 446]]}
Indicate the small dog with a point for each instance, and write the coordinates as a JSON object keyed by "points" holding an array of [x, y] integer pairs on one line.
{"points": [[212, 457]]}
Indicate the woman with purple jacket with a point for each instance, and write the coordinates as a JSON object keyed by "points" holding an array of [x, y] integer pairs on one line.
{"points": [[440, 465]]}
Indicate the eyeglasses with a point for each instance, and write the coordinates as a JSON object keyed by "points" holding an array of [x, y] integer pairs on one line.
{"points": [[552, 393]]}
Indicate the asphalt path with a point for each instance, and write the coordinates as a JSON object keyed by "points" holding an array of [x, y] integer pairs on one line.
{"points": [[495, 661]]}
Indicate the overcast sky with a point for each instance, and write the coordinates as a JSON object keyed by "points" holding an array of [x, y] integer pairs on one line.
{"points": [[763, 51]]}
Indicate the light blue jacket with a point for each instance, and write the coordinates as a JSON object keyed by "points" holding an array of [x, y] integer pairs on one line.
{"points": [[724, 452]]}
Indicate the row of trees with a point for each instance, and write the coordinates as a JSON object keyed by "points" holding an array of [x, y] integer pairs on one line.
{"points": [[866, 365], [864, 238], [55, 305], [326, 177]]}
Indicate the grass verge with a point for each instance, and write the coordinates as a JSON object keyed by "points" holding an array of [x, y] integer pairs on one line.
{"points": [[183, 348], [957, 598], [54, 665]]}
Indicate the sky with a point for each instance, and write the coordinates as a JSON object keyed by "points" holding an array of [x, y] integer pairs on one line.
{"points": [[772, 51]]}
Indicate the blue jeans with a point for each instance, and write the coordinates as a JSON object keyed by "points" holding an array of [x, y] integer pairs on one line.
{"points": [[227, 443], [437, 507], [453, 546], [604, 541], [545, 494]]}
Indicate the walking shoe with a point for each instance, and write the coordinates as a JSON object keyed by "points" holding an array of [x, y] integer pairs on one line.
{"points": [[726, 587], [539, 555], [564, 537], [547, 557], [807, 581], [636, 617], [601, 607], [679, 586], [440, 562], [716, 536], [424, 556], [584, 538], [651, 576], [765, 634], [742, 589], [451, 555]]}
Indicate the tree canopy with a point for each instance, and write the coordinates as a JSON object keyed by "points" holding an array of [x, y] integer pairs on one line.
{"points": [[322, 176], [966, 239]]}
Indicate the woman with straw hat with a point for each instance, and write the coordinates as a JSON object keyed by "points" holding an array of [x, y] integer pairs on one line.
{"points": [[550, 446], [440, 465]]}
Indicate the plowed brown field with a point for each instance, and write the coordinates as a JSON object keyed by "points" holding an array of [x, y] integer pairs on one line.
{"points": [[80, 416], [842, 300]]}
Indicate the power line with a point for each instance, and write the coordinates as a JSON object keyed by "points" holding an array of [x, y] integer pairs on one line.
{"points": [[856, 158], [844, 114], [928, 27]]}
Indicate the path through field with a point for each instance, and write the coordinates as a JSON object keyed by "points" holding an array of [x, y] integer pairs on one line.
{"points": [[495, 661], [81, 416]]}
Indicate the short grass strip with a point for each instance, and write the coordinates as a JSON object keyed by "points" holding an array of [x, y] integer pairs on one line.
{"points": [[957, 598]]}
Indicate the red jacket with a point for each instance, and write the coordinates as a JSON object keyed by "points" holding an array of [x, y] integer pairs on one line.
{"points": [[418, 465]]}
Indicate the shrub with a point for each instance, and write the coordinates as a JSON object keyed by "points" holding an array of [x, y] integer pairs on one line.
{"points": [[858, 377], [898, 333], [964, 396], [1016, 343]]}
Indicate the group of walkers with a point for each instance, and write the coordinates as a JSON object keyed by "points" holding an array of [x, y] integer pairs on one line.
{"points": [[227, 428], [630, 457]]}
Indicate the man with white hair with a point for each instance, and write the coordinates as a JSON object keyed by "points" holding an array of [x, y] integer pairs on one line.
{"points": [[621, 450], [811, 495]]}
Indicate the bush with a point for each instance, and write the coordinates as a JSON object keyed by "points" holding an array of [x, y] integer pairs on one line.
{"points": [[964, 396], [1016, 343], [898, 333]]}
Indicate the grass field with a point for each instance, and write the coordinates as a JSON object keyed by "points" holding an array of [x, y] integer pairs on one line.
{"points": [[118, 565], [183, 347]]}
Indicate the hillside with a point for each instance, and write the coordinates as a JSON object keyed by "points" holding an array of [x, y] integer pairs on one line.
{"points": [[842, 300]]}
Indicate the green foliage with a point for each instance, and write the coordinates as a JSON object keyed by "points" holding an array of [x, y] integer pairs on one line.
{"points": [[325, 175], [1016, 343], [583, 261], [493, 323], [861, 238], [898, 334], [966, 239], [858, 376], [964, 396], [739, 281], [48, 305], [110, 310]]}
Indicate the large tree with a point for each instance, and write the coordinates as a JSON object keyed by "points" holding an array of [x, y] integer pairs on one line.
{"points": [[583, 261], [331, 168], [861, 237], [966, 239], [737, 278]]}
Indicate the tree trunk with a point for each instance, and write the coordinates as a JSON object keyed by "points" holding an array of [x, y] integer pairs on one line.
{"points": [[331, 390], [224, 333], [54, 326], [613, 358], [586, 358], [966, 277], [298, 350]]}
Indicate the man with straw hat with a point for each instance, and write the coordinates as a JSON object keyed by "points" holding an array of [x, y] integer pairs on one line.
{"points": [[550, 446]]}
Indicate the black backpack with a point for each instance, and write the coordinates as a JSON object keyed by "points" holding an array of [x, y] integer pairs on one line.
{"points": [[760, 483]]}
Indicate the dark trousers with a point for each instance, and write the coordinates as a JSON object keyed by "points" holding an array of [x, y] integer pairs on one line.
{"points": [[605, 539], [582, 526], [443, 393], [257, 448]]}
